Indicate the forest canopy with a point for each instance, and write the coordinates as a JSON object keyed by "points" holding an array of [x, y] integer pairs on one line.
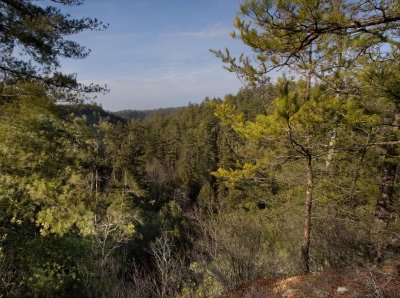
{"points": [[287, 177]]}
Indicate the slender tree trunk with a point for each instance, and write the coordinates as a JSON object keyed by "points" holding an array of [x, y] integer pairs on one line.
{"points": [[331, 148], [96, 181], [385, 201], [386, 194], [305, 248], [339, 63]]}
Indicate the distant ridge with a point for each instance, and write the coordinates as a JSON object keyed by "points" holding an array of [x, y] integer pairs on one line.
{"points": [[145, 114], [94, 114]]}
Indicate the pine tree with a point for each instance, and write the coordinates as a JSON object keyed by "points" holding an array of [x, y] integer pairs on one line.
{"points": [[33, 39], [321, 41]]}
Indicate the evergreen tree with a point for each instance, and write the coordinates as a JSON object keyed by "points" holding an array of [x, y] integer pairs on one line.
{"points": [[33, 39], [319, 40]]}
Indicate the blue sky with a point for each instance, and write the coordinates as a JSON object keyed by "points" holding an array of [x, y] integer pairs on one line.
{"points": [[155, 53]]}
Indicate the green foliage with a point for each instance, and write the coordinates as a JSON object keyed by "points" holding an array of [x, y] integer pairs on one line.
{"points": [[57, 209], [41, 175]]}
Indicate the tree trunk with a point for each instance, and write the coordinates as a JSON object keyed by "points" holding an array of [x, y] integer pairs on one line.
{"points": [[331, 148], [385, 201], [305, 248]]}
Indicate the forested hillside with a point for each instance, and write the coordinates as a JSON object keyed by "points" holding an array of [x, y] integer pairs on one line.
{"points": [[292, 176], [144, 114]]}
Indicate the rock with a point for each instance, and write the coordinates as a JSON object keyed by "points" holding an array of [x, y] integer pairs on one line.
{"points": [[342, 290], [321, 293]]}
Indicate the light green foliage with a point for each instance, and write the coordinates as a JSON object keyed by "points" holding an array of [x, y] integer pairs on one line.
{"points": [[63, 198], [41, 175], [288, 116], [277, 142]]}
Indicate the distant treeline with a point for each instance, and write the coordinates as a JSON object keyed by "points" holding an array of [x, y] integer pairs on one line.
{"points": [[93, 113], [145, 114]]}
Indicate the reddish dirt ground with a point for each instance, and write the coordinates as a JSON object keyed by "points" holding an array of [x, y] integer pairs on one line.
{"points": [[370, 281]]}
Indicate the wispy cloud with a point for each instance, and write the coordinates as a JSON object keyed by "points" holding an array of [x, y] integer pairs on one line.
{"points": [[209, 32], [118, 37]]}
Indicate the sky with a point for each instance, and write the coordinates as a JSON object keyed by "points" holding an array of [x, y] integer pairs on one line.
{"points": [[155, 53]]}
